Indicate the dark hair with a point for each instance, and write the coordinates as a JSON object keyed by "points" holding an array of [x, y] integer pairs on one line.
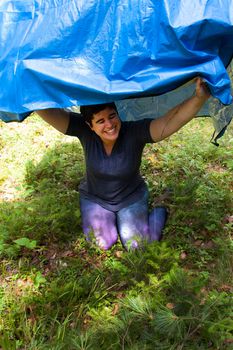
{"points": [[89, 110]]}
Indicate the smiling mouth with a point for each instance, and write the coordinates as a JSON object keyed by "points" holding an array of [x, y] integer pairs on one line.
{"points": [[111, 131]]}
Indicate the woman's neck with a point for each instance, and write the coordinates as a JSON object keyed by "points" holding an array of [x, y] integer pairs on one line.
{"points": [[108, 148]]}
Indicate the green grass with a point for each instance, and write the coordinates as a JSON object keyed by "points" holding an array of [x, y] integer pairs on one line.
{"points": [[59, 292]]}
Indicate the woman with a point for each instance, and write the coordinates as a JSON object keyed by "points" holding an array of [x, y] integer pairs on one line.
{"points": [[114, 197]]}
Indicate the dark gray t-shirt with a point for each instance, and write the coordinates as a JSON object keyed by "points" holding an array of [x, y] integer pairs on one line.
{"points": [[112, 181]]}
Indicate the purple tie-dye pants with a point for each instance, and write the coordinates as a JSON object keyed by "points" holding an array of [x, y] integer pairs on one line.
{"points": [[133, 224]]}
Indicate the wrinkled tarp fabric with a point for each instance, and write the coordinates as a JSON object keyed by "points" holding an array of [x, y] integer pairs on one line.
{"points": [[60, 53], [150, 107]]}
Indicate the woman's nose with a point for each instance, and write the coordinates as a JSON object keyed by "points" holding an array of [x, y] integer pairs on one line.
{"points": [[108, 123]]}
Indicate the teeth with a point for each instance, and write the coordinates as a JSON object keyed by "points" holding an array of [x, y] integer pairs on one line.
{"points": [[110, 131]]}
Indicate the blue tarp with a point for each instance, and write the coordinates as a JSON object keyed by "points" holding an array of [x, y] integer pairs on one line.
{"points": [[63, 53]]}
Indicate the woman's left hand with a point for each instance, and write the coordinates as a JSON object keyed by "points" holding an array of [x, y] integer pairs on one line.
{"points": [[202, 90]]}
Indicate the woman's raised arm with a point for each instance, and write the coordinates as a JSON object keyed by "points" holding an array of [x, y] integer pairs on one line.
{"points": [[58, 118], [180, 115]]}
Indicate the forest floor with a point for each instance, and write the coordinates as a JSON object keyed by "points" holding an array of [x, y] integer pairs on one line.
{"points": [[59, 292]]}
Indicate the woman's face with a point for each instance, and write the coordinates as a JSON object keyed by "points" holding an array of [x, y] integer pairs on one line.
{"points": [[106, 124]]}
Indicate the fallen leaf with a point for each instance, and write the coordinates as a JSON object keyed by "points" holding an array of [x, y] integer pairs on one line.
{"points": [[118, 254], [120, 295], [208, 245], [229, 219], [226, 288], [115, 309], [183, 255], [198, 243]]}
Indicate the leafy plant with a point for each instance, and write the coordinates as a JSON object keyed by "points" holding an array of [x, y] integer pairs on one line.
{"points": [[58, 291]]}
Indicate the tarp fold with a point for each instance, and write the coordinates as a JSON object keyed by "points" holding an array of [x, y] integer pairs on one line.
{"points": [[62, 53]]}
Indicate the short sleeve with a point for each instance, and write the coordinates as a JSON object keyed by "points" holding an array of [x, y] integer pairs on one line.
{"points": [[77, 126], [141, 130]]}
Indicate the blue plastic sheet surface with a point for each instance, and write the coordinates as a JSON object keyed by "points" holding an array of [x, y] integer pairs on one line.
{"points": [[63, 53]]}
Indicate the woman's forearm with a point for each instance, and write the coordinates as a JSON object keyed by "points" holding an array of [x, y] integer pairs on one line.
{"points": [[180, 115]]}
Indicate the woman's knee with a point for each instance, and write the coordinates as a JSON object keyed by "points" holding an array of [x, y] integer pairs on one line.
{"points": [[98, 224], [157, 221]]}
